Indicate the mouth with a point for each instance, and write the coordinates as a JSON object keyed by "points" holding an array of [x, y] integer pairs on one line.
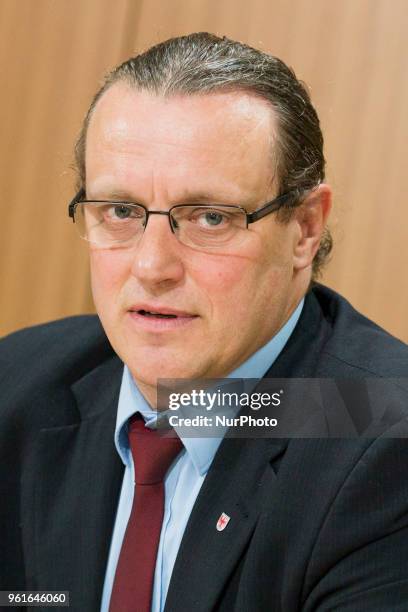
{"points": [[159, 315], [157, 318]]}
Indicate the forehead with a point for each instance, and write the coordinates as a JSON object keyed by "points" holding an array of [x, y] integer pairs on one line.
{"points": [[225, 136]]}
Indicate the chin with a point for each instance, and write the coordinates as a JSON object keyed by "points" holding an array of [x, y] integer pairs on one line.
{"points": [[148, 371]]}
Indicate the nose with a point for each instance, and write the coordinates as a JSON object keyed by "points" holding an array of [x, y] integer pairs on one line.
{"points": [[157, 262]]}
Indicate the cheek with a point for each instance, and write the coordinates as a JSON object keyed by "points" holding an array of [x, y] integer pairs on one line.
{"points": [[240, 287], [109, 270], [234, 283]]}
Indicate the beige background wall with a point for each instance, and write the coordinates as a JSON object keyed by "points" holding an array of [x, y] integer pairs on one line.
{"points": [[53, 53]]}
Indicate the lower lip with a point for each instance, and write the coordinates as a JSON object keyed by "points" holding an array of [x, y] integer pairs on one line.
{"points": [[160, 323]]}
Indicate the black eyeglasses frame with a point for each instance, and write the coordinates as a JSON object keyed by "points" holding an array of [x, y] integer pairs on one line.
{"points": [[288, 199]]}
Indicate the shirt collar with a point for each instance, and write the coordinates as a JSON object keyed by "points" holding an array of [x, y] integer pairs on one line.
{"points": [[200, 450]]}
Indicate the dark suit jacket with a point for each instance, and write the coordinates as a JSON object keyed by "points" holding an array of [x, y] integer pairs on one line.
{"points": [[316, 524]]}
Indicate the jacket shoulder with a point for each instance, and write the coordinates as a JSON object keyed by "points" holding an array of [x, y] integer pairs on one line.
{"points": [[67, 325], [47, 355], [70, 335], [357, 345]]}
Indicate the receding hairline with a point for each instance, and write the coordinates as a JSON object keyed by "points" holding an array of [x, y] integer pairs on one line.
{"points": [[175, 95]]}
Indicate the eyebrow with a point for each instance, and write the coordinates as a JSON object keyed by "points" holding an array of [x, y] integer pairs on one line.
{"points": [[110, 194], [199, 197]]}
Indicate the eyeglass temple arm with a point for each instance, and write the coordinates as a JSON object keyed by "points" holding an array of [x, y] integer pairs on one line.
{"points": [[71, 206], [282, 200]]}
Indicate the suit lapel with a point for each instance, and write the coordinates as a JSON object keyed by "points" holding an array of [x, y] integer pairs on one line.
{"points": [[240, 475], [79, 477]]}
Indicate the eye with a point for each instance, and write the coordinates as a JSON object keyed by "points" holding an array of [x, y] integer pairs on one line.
{"points": [[211, 218], [121, 212]]}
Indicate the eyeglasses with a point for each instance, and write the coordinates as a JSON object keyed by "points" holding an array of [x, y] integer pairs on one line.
{"points": [[116, 224]]}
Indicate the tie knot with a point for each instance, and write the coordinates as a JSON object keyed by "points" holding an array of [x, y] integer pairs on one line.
{"points": [[152, 452]]}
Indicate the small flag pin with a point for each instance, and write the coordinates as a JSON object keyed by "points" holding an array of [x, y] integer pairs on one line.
{"points": [[223, 521]]}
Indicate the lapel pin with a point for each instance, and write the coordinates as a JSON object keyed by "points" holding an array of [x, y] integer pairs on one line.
{"points": [[223, 521]]}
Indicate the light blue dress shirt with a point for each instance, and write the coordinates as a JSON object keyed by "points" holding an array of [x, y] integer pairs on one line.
{"points": [[184, 478]]}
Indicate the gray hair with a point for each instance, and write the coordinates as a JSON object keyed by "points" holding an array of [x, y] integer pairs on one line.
{"points": [[204, 63]]}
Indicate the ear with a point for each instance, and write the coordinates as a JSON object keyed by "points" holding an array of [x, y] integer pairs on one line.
{"points": [[311, 218]]}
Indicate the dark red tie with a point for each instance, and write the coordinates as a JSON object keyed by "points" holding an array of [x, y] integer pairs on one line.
{"points": [[152, 454]]}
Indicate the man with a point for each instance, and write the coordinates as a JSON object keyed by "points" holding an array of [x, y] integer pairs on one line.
{"points": [[202, 197]]}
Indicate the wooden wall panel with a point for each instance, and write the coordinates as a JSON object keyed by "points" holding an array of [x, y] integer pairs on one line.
{"points": [[53, 54]]}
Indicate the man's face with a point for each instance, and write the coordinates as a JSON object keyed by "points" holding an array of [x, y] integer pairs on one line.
{"points": [[213, 148]]}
